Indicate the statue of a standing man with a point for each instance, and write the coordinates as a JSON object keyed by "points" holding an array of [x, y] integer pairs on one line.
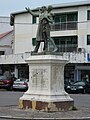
{"points": [[43, 32]]}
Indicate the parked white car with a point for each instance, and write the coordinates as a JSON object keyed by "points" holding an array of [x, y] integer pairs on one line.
{"points": [[20, 84]]}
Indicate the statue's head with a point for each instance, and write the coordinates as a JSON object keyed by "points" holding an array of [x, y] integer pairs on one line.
{"points": [[50, 8], [43, 8]]}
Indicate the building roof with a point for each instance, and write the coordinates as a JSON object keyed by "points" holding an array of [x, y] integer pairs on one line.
{"points": [[4, 34], [55, 6], [72, 4]]}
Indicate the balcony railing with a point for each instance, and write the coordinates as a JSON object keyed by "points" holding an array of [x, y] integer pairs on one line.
{"points": [[73, 57], [67, 48], [76, 57], [64, 26], [14, 58]]}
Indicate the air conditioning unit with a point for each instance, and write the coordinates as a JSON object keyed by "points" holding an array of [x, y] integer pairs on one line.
{"points": [[80, 49]]}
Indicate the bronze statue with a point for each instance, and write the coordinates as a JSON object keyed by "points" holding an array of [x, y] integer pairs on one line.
{"points": [[44, 27]]}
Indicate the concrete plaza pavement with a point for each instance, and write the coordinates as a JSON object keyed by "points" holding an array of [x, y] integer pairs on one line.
{"points": [[13, 112]]}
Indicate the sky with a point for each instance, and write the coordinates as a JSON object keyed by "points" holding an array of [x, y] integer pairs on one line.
{"points": [[10, 6]]}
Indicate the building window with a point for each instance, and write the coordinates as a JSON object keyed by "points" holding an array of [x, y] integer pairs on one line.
{"points": [[66, 43], [33, 41], [66, 21], [88, 15], [88, 39], [2, 53], [33, 19]]}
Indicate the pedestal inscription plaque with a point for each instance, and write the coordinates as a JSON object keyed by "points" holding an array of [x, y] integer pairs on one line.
{"points": [[39, 78]]}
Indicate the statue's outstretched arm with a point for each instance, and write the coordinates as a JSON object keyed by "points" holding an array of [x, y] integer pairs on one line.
{"points": [[31, 12]]}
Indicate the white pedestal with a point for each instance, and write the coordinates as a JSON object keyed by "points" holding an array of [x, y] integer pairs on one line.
{"points": [[46, 84]]}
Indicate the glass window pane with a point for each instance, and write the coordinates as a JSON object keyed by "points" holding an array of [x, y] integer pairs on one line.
{"points": [[88, 40], [88, 15], [57, 26], [72, 17], [63, 26], [2, 52], [57, 19], [63, 18], [66, 21], [33, 19], [71, 25], [33, 41]]}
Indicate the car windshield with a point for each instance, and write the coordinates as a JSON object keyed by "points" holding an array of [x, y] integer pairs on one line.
{"points": [[2, 78], [21, 80], [79, 83]]}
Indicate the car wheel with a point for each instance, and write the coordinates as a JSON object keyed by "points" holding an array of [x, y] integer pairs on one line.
{"points": [[84, 91], [10, 88]]}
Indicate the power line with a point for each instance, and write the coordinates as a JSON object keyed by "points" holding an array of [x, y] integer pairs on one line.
{"points": [[37, 23]]}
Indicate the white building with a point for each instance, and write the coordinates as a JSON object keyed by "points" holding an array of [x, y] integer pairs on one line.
{"points": [[6, 46], [6, 41], [70, 31]]}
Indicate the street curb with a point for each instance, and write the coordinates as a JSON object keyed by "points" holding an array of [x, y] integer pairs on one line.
{"points": [[17, 118], [27, 118]]}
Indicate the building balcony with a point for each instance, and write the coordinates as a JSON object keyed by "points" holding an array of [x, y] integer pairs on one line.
{"points": [[14, 58], [76, 57], [73, 25], [73, 57]]}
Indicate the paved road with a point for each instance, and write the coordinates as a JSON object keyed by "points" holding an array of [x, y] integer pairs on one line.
{"points": [[82, 100], [11, 98]]}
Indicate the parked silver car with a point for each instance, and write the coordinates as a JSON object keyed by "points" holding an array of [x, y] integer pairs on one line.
{"points": [[20, 84]]}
